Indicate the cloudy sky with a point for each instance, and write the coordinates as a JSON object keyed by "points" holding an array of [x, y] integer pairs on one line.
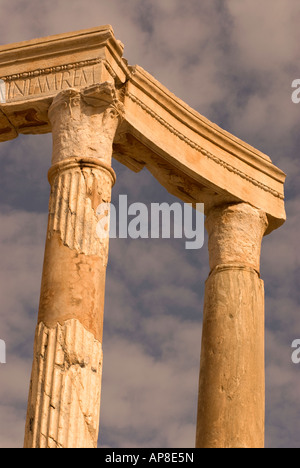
{"points": [[234, 62]]}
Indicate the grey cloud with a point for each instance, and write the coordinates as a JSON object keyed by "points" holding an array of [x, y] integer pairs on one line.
{"points": [[142, 388]]}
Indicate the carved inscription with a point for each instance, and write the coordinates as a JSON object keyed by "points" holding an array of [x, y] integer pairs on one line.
{"points": [[47, 84]]}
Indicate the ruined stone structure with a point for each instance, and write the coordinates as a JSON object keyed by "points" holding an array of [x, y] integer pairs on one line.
{"points": [[79, 87]]}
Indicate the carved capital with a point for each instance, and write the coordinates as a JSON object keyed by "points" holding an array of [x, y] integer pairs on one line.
{"points": [[84, 122], [235, 235]]}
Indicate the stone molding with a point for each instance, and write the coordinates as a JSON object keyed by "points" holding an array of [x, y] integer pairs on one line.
{"points": [[201, 150]]}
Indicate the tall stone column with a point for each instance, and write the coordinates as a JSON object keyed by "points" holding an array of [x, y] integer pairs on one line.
{"points": [[64, 398], [231, 405]]}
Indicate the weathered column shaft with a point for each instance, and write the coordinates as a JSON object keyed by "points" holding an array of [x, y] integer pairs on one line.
{"points": [[64, 399], [231, 406]]}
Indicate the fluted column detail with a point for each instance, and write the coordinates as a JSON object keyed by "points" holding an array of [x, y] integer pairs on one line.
{"points": [[67, 359], [64, 397], [77, 188]]}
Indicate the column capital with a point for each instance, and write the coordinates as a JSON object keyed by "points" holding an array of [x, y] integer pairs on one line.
{"points": [[85, 122], [102, 95], [235, 234]]}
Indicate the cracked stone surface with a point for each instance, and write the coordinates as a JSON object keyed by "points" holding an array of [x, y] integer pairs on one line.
{"points": [[235, 235], [76, 192], [84, 123], [64, 399], [63, 409], [232, 381]]}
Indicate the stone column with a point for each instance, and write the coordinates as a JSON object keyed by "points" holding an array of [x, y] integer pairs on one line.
{"points": [[64, 398], [231, 406]]}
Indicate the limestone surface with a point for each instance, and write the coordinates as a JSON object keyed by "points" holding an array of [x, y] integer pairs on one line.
{"points": [[64, 399], [63, 409], [231, 402]]}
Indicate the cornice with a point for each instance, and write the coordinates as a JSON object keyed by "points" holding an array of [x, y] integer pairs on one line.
{"points": [[202, 150], [202, 126], [60, 43]]}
